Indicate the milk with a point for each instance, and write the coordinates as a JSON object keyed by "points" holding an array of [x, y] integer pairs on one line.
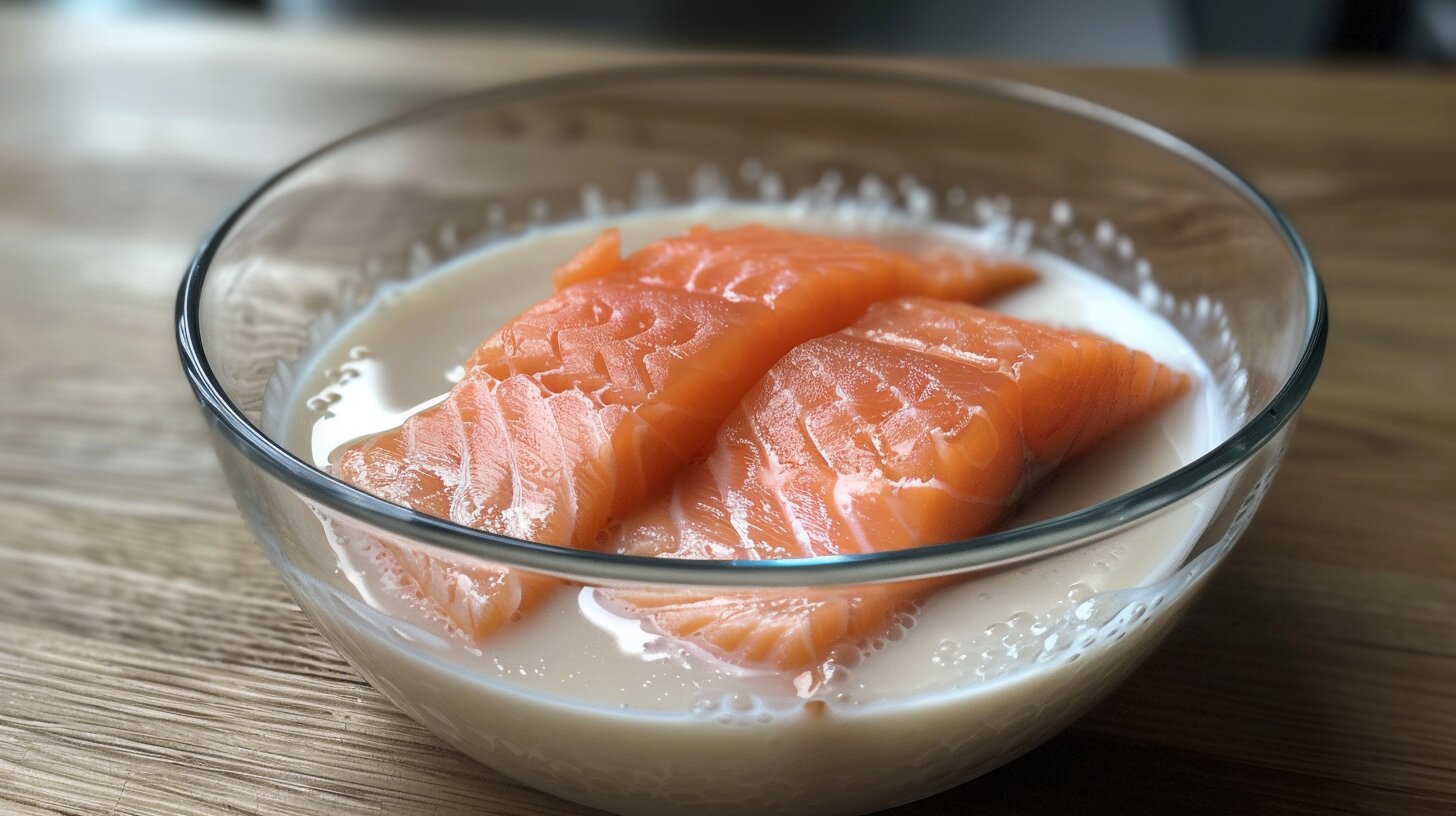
{"points": [[589, 705]]}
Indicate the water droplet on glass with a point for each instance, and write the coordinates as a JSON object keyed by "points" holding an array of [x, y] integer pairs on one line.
{"points": [[704, 705]]}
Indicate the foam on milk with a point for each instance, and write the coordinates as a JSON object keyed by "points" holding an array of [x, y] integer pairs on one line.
{"points": [[402, 353]]}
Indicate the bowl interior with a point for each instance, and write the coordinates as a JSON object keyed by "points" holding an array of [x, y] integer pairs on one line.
{"points": [[1131, 204]]}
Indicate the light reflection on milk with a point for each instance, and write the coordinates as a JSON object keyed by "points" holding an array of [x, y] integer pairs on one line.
{"points": [[403, 352]]}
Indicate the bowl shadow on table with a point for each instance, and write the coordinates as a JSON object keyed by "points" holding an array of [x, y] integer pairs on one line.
{"points": [[1217, 721]]}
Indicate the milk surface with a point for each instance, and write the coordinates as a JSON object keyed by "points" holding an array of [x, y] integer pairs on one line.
{"points": [[983, 651]]}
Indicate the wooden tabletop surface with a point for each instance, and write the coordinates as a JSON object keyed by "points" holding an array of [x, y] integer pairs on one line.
{"points": [[151, 662]]}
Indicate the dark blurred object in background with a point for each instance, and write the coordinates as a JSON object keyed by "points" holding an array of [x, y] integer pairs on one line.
{"points": [[1107, 31]]}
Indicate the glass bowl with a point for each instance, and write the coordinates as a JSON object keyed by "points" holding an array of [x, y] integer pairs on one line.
{"points": [[1040, 171]]}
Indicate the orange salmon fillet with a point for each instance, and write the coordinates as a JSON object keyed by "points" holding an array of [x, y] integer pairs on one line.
{"points": [[584, 405], [924, 422]]}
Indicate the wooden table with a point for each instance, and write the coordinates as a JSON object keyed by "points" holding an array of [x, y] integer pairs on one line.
{"points": [[151, 662]]}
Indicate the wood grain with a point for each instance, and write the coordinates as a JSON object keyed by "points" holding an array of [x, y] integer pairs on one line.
{"points": [[150, 662]]}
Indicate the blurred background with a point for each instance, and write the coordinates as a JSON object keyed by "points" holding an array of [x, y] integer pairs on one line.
{"points": [[1132, 32]]}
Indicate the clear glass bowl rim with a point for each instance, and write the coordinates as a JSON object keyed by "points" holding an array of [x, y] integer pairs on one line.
{"points": [[987, 551]]}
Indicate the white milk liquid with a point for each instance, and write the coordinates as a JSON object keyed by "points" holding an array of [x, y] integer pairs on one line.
{"points": [[585, 704]]}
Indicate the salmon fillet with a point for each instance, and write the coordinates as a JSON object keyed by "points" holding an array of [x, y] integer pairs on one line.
{"points": [[584, 405], [924, 422]]}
